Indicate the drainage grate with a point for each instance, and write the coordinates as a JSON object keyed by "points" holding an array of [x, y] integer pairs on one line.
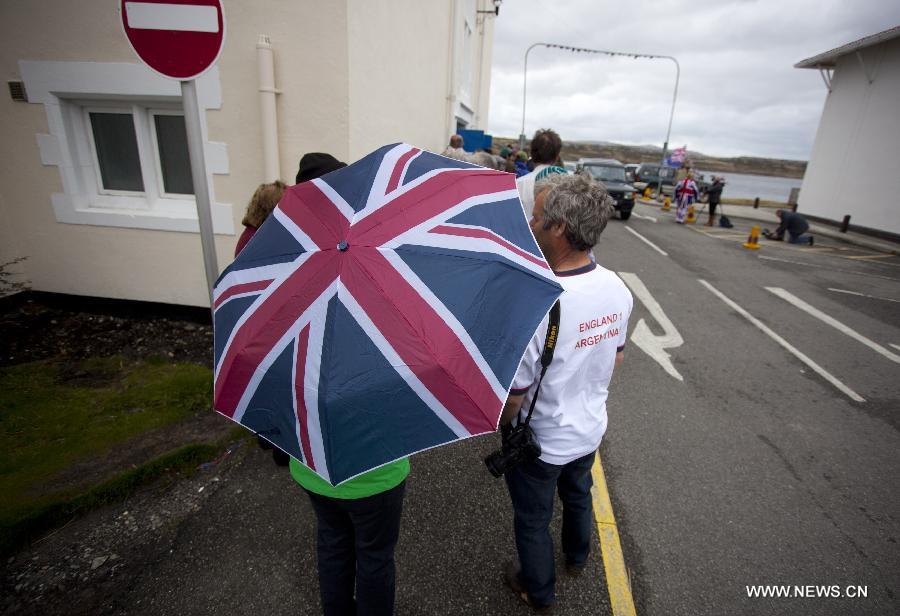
{"points": [[17, 91]]}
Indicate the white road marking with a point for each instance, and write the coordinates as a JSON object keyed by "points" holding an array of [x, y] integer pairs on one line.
{"points": [[179, 17], [644, 338], [646, 241], [799, 303], [830, 269], [636, 215], [784, 343], [887, 299], [896, 346]]}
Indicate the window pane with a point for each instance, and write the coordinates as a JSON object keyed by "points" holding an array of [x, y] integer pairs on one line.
{"points": [[117, 151], [173, 154]]}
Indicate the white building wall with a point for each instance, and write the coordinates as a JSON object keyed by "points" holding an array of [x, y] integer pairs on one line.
{"points": [[398, 66], [854, 164], [353, 76], [483, 62], [309, 40]]}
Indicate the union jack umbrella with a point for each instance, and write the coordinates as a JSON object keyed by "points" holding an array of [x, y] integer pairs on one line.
{"points": [[381, 310]]}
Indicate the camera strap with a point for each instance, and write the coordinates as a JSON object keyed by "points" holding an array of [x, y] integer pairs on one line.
{"points": [[546, 356]]}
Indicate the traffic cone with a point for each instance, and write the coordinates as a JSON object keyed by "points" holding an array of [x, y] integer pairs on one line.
{"points": [[667, 204], [690, 216], [753, 240], [647, 193]]}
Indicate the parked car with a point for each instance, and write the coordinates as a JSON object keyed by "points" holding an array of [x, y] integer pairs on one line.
{"points": [[654, 175], [612, 173]]}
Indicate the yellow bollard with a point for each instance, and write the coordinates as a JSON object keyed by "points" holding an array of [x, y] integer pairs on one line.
{"points": [[667, 204], [647, 193], [753, 240], [690, 216]]}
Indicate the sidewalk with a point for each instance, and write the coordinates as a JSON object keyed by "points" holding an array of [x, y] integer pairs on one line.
{"points": [[766, 215]]}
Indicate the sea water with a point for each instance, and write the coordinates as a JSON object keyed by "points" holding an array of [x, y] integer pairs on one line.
{"points": [[766, 187]]}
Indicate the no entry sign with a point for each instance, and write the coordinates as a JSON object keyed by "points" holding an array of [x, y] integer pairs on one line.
{"points": [[176, 38]]}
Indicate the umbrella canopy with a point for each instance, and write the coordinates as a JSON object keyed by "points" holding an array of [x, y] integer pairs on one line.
{"points": [[381, 310]]}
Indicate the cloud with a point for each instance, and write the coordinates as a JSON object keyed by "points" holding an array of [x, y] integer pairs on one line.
{"points": [[738, 92]]}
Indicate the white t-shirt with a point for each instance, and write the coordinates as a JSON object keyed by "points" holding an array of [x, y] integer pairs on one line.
{"points": [[525, 184], [570, 415]]}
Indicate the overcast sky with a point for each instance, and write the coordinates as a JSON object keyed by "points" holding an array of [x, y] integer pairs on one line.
{"points": [[739, 93]]}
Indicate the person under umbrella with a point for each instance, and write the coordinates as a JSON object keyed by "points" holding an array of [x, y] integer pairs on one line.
{"points": [[358, 522]]}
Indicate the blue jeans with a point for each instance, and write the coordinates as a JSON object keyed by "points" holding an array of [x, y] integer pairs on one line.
{"points": [[531, 487], [798, 239], [355, 548]]}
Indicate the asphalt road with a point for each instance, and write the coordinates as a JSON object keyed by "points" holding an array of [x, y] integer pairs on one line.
{"points": [[752, 469], [755, 469]]}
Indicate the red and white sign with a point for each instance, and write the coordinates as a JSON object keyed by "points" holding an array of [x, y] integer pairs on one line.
{"points": [[177, 38]]}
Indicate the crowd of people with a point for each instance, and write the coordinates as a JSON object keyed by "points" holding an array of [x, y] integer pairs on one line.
{"points": [[511, 158], [358, 522]]}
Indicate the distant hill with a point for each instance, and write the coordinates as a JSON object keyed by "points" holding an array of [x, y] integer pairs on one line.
{"points": [[573, 150]]}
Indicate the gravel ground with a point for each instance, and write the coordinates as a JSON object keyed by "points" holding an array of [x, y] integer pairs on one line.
{"points": [[37, 326], [82, 567]]}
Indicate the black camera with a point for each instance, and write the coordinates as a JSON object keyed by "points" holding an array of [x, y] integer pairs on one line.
{"points": [[519, 445]]}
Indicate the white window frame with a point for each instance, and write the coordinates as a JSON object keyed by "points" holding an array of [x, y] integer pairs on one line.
{"points": [[86, 110], [157, 159], [68, 90]]}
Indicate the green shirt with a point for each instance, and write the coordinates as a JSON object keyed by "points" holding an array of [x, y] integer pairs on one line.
{"points": [[373, 482]]}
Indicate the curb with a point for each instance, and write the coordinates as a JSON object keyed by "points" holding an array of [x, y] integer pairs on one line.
{"points": [[878, 245]]}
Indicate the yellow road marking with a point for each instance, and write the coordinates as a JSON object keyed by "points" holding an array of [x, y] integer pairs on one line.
{"points": [[869, 256], [613, 561]]}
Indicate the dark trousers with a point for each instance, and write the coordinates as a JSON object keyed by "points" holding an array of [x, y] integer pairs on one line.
{"points": [[355, 549], [531, 487]]}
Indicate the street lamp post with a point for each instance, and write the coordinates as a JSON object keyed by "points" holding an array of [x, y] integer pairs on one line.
{"points": [[608, 53]]}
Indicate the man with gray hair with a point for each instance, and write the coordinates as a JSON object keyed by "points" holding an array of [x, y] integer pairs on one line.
{"points": [[569, 417]]}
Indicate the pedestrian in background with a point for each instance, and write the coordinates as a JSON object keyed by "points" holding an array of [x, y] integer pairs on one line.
{"points": [[545, 148], [521, 163], [455, 149], [715, 197], [569, 419], [263, 201], [686, 192]]}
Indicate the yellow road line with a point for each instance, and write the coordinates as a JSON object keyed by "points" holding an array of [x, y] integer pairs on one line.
{"points": [[868, 256], [613, 561]]}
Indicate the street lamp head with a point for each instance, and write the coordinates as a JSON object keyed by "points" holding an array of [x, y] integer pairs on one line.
{"points": [[496, 10]]}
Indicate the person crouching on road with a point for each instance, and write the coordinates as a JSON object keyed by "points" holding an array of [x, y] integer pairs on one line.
{"points": [[569, 420], [795, 224]]}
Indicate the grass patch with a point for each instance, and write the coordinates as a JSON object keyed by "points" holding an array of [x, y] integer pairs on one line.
{"points": [[53, 416], [32, 522]]}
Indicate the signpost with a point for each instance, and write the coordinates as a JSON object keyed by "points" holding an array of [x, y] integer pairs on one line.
{"points": [[182, 39]]}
